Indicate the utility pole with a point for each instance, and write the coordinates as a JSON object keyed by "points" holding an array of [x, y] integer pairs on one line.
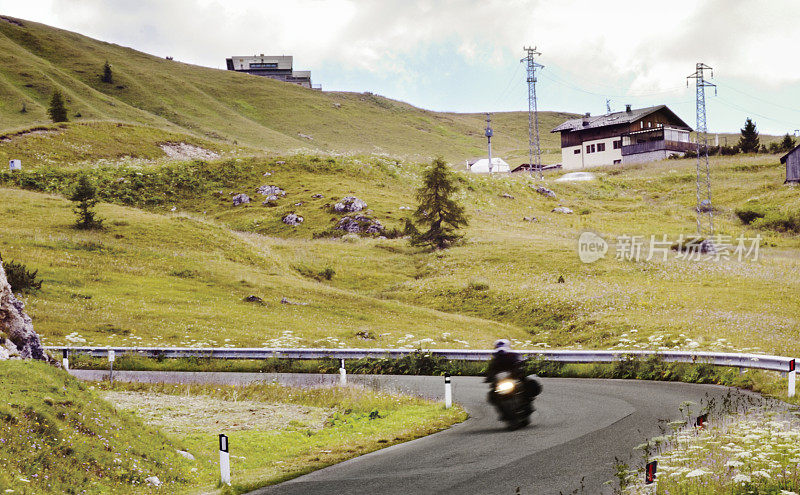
{"points": [[533, 113], [704, 204], [489, 134]]}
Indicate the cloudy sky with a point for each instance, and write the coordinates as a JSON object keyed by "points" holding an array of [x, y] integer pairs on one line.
{"points": [[464, 55]]}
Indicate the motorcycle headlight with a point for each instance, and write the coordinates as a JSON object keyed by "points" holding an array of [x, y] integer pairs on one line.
{"points": [[504, 386]]}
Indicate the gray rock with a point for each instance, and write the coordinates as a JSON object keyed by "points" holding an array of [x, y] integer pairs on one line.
{"points": [[267, 174], [292, 219], [405, 208], [305, 136], [359, 224], [507, 196], [529, 219], [285, 300], [544, 191], [349, 204], [271, 190], [186, 454], [561, 209], [317, 196], [253, 299], [240, 199], [705, 206], [299, 204], [153, 481], [280, 163], [17, 336]]}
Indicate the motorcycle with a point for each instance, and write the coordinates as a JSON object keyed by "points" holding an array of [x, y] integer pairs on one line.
{"points": [[512, 401]]}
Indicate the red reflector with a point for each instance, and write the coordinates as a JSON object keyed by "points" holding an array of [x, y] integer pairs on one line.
{"points": [[791, 365], [650, 472]]}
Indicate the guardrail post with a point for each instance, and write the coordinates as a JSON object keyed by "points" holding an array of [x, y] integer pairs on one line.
{"points": [[792, 372], [448, 392], [342, 374], [111, 366], [224, 460], [65, 360]]}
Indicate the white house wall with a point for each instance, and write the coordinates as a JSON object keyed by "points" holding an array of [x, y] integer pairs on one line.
{"points": [[572, 161]]}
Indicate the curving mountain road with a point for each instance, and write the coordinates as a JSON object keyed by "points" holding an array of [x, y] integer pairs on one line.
{"points": [[579, 428]]}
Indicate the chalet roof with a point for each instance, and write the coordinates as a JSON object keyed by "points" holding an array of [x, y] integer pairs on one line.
{"points": [[786, 156], [616, 118]]}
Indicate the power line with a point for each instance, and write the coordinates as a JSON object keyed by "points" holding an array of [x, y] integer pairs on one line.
{"points": [[760, 99]]}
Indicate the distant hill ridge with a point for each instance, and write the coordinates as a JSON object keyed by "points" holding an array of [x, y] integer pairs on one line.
{"points": [[231, 107]]}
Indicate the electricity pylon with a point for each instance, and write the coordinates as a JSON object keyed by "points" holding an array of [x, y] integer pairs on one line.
{"points": [[705, 226], [533, 114]]}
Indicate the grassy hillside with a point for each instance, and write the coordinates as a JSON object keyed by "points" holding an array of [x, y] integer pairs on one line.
{"points": [[230, 107], [59, 436], [162, 277]]}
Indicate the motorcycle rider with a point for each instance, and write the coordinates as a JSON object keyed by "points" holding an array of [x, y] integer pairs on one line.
{"points": [[506, 360]]}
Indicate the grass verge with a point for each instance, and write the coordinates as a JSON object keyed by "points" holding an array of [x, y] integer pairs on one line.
{"points": [[356, 421]]}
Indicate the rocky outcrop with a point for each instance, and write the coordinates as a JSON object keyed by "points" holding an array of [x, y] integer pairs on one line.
{"points": [[241, 199], [17, 336], [350, 204], [292, 219], [544, 191], [562, 209], [359, 224], [271, 192]]}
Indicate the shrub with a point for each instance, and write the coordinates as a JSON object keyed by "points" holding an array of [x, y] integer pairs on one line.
{"points": [[478, 284], [20, 278], [749, 213], [780, 221], [327, 273]]}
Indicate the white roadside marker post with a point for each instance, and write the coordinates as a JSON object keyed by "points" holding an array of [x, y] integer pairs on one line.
{"points": [[448, 392], [224, 460], [65, 360], [111, 358], [342, 374], [791, 379]]}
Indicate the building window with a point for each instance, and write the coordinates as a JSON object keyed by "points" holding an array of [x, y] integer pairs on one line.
{"points": [[641, 124], [601, 146], [593, 148], [618, 144], [577, 151], [588, 149], [268, 65], [617, 162]]}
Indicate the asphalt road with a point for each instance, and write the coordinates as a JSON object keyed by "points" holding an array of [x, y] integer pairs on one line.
{"points": [[580, 426]]}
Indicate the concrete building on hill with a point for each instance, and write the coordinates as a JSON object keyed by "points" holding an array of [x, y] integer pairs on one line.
{"points": [[633, 136], [273, 67]]}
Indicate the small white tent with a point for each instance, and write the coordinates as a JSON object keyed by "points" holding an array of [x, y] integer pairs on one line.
{"points": [[482, 166]]}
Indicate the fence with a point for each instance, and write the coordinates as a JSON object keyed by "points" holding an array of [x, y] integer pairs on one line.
{"points": [[755, 361]]}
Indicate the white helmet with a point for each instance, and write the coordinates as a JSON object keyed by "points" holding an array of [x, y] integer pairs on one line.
{"points": [[502, 345]]}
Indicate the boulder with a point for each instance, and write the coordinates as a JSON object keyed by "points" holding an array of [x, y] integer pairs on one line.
{"points": [[17, 336], [349, 204], [529, 219], [253, 299], [507, 196], [317, 196], [153, 481], [359, 224], [544, 191], [270, 190], [561, 209], [186, 454], [240, 199], [292, 219]]}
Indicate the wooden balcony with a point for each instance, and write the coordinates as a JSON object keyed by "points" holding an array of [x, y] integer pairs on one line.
{"points": [[680, 146]]}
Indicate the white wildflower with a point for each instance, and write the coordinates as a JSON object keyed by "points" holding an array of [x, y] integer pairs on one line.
{"points": [[697, 472], [741, 478]]}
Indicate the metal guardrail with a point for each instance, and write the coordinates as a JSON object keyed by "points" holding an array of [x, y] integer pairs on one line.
{"points": [[756, 361]]}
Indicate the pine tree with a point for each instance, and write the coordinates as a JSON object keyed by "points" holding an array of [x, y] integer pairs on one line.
{"points": [[787, 144], [107, 76], [57, 109], [85, 195], [438, 214], [749, 142]]}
